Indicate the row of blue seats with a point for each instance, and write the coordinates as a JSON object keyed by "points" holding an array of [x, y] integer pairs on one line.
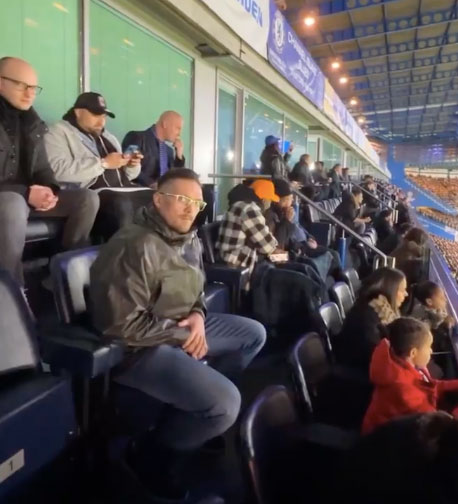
{"points": [[38, 419]]}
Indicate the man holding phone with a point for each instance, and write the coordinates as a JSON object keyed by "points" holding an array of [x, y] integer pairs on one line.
{"points": [[82, 153], [158, 156]]}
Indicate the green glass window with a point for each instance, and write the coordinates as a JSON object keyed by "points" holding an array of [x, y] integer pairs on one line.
{"points": [[46, 35], [260, 121], [311, 149], [225, 159], [330, 154], [139, 75], [297, 135]]}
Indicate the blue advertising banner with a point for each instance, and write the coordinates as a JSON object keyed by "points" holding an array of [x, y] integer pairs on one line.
{"points": [[288, 55]]}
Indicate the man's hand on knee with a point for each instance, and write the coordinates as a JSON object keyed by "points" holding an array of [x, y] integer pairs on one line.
{"points": [[196, 344]]}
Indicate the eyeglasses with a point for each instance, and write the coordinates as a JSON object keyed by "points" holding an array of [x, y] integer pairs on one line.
{"points": [[23, 86], [185, 200]]}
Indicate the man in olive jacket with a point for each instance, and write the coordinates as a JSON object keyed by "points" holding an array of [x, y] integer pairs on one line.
{"points": [[147, 287]]}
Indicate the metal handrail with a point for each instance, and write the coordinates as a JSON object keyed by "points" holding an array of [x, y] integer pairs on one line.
{"points": [[373, 196], [387, 261]]}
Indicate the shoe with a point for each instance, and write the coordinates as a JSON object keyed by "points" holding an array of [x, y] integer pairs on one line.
{"points": [[160, 470]]}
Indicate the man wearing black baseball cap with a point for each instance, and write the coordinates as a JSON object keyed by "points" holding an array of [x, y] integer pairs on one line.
{"points": [[83, 153], [94, 102]]}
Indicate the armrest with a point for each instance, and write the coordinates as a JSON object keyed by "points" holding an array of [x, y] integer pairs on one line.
{"points": [[322, 232], [79, 351], [234, 278]]}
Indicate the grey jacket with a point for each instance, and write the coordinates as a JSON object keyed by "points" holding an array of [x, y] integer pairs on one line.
{"points": [[74, 157], [146, 279]]}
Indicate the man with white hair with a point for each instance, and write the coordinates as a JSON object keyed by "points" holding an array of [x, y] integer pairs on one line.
{"points": [[158, 156], [27, 183]]}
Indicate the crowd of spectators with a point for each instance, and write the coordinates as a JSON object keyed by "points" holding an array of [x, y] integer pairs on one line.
{"points": [[443, 217], [147, 285], [445, 189], [449, 250]]}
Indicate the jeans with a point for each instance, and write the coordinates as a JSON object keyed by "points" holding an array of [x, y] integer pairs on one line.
{"points": [[200, 401], [79, 207]]}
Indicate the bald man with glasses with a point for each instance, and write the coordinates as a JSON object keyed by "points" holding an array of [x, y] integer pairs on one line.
{"points": [[27, 183]]}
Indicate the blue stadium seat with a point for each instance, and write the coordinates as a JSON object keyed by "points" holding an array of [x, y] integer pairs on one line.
{"points": [[217, 271], [286, 460], [37, 417], [342, 296]]}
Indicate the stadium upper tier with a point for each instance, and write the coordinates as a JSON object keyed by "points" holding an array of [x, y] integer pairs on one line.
{"points": [[444, 188]]}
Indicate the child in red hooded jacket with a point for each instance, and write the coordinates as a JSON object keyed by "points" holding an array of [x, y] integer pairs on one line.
{"points": [[402, 383]]}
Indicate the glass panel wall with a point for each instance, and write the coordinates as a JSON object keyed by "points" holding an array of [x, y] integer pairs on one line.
{"points": [[225, 152], [125, 62], [330, 154], [297, 135], [260, 121], [46, 35]]}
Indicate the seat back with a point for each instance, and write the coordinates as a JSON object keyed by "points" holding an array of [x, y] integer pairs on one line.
{"points": [[353, 281], [18, 349], [309, 363], [264, 437], [70, 272], [342, 296], [332, 320], [209, 236]]}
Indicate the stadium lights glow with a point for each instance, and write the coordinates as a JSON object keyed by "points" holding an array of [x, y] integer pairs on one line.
{"points": [[309, 20], [353, 101], [335, 65], [361, 120], [343, 80]]}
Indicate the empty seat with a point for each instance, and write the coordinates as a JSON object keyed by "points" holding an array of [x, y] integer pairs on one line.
{"points": [[37, 417], [217, 271], [284, 457], [324, 388], [332, 320], [342, 296], [353, 281]]}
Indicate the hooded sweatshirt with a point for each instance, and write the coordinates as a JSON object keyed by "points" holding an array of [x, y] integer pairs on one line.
{"points": [[401, 389]]}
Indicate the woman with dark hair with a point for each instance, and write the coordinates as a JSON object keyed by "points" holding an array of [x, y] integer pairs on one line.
{"points": [[335, 174], [348, 211], [383, 224], [410, 255], [378, 303]]}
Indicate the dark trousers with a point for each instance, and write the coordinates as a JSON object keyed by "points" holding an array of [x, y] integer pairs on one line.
{"points": [[200, 401], [79, 207], [117, 209]]}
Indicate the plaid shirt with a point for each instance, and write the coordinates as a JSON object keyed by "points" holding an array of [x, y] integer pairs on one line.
{"points": [[243, 234]]}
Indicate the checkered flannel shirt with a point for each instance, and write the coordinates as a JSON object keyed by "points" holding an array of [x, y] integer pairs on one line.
{"points": [[243, 234]]}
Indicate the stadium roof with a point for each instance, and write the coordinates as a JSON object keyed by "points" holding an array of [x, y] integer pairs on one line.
{"points": [[400, 57]]}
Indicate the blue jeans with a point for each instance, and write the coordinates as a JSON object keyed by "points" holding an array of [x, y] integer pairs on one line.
{"points": [[200, 401]]}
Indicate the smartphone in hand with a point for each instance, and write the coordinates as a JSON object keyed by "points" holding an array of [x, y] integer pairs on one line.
{"points": [[132, 150]]}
